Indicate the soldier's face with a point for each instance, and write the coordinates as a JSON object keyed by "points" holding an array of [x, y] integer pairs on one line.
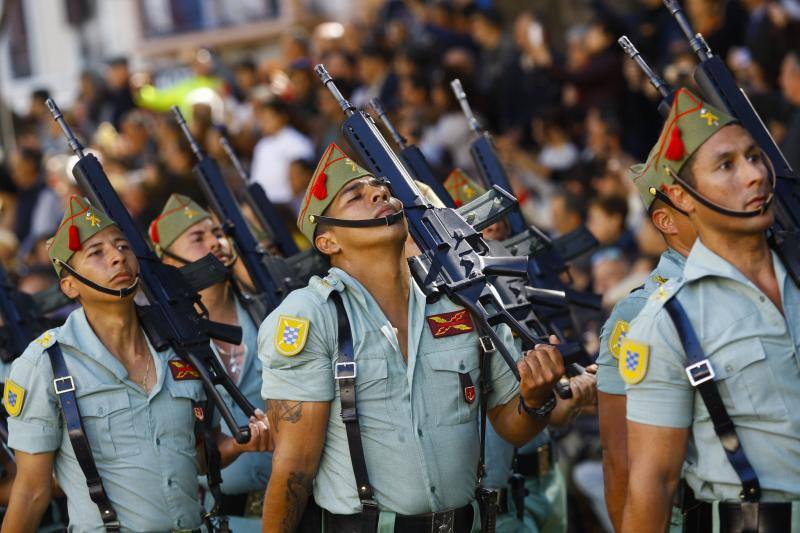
{"points": [[365, 198], [205, 237], [730, 170], [106, 259]]}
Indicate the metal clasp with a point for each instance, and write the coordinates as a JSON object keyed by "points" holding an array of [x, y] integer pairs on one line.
{"points": [[700, 372], [63, 385], [345, 370], [487, 344]]}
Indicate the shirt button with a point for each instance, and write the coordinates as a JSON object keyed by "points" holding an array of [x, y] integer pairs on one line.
{"points": [[158, 442], [761, 299], [169, 483], [433, 489], [419, 432], [728, 368]]}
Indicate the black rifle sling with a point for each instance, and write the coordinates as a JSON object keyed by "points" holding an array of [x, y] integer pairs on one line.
{"points": [[345, 372], [64, 386], [213, 467], [701, 376]]}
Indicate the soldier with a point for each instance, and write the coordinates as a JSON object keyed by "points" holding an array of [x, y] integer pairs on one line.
{"points": [[679, 235], [367, 331], [711, 359], [185, 232], [130, 411]]}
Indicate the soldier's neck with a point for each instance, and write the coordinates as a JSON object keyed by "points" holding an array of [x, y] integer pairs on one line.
{"points": [[117, 326], [219, 300]]}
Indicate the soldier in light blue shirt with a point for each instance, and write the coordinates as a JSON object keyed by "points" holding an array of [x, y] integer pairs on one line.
{"points": [[741, 377], [185, 232], [416, 377], [138, 406], [679, 235]]}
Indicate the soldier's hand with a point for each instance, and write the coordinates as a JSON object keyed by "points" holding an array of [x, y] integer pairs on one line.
{"points": [[584, 390], [539, 370], [260, 438]]}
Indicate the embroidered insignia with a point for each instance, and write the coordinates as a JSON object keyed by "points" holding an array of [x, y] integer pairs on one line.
{"points": [[661, 294], [351, 164], [46, 340], [660, 279], [711, 118], [634, 357], [449, 324], [13, 398], [617, 337], [291, 335], [469, 394], [199, 414], [181, 370], [94, 221], [189, 212]]}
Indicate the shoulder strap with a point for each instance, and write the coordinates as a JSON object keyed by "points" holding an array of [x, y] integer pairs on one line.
{"points": [[64, 385], [701, 376], [345, 372]]}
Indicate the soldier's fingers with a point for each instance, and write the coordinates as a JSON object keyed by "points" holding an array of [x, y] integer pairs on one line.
{"points": [[591, 369], [554, 340], [524, 369]]}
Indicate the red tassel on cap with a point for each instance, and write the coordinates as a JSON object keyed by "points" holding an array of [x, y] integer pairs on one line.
{"points": [[675, 150], [154, 232], [319, 190], [74, 238]]}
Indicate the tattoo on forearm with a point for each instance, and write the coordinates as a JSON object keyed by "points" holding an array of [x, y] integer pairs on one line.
{"points": [[298, 487], [283, 411]]}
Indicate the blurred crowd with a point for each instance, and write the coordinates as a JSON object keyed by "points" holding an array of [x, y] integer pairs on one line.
{"points": [[570, 113]]}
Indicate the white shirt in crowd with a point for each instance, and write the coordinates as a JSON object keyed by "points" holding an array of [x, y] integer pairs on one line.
{"points": [[271, 159]]}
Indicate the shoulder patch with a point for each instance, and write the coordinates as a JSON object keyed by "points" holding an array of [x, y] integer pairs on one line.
{"points": [[660, 279], [617, 336], [46, 340], [13, 398], [182, 370], [449, 324], [634, 358], [291, 335]]}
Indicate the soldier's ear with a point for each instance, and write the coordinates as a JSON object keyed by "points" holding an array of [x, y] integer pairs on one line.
{"points": [[69, 286], [663, 220], [681, 199], [326, 242]]}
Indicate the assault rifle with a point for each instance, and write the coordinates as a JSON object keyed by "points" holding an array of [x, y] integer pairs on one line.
{"points": [[454, 260], [174, 316], [273, 277], [262, 207], [547, 258], [412, 157], [720, 89]]}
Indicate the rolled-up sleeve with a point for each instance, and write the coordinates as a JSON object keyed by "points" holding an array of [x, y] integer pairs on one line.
{"points": [[505, 386], [38, 427]]}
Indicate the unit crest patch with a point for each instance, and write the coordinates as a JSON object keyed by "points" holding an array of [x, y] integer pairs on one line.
{"points": [[13, 398], [633, 359], [291, 335], [618, 335], [181, 370], [449, 324]]}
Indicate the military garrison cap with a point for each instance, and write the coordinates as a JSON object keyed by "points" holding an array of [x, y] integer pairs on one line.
{"points": [[80, 223], [334, 171], [461, 188], [179, 214], [691, 122]]}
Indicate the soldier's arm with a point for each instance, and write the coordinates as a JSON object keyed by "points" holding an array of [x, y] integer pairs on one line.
{"points": [[614, 440], [30, 493], [298, 429], [655, 458]]}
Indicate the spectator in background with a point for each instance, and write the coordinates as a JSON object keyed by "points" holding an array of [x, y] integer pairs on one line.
{"points": [[119, 96], [135, 146], [609, 267], [300, 172], [280, 145], [790, 87], [606, 221], [38, 210], [377, 79], [445, 142], [568, 213]]}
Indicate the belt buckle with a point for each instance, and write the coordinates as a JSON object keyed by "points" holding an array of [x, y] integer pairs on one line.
{"points": [[69, 387], [700, 372], [443, 522], [345, 370], [543, 459]]}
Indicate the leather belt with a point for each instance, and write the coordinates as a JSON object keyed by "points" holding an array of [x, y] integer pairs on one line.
{"points": [[773, 517], [456, 520], [538, 463]]}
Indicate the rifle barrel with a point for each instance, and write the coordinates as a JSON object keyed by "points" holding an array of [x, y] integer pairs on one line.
{"points": [[74, 144], [381, 113], [654, 79], [187, 132], [461, 96], [696, 40], [327, 81]]}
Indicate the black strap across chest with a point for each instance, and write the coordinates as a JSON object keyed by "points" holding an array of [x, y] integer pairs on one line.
{"points": [[701, 376], [64, 386], [345, 372]]}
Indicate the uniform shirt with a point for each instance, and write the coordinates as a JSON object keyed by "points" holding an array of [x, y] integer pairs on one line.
{"points": [[420, 434], [616, 327], [143, 444], [753, 351], [250, 471]]}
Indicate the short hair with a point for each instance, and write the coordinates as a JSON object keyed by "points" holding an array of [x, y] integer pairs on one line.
{"points": [[612, 205], [490, 15], [40, 94], [573, 203]]}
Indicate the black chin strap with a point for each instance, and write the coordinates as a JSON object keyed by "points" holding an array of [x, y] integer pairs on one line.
{"points": [[182, 260], [366, 223], [724, 210], [121, 293]]}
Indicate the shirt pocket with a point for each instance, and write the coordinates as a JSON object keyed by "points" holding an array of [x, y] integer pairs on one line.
{"points": [[108, 422], [746, 382], [450, 368], [372, 392], [178, 432]]}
